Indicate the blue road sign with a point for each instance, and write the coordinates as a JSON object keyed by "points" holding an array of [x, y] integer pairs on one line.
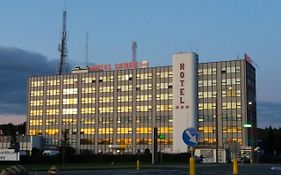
{"points": [[190, 136]]}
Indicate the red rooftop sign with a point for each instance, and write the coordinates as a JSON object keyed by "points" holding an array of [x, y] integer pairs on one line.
{"points": [[119, 66]]}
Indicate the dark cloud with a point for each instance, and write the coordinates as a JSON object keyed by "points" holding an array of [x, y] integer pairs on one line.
{"points": [[269, 113], [16, 65]]}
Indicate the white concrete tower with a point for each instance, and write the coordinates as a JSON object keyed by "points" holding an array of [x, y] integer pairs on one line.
{"points": [[185, 89]]}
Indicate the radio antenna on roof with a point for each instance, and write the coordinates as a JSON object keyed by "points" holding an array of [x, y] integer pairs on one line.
{"points": [[134, 51], [62, 46]]}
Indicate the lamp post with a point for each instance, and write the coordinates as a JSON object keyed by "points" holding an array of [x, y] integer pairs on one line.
{"points": [[217, 132], [251, 130], [217, 122]]}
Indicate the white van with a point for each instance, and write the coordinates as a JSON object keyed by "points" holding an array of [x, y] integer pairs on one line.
{"points": [[50, 153]]}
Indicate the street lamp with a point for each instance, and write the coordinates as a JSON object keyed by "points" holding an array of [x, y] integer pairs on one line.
{"points": [[217, 123], [250, 126], [217, 126]]}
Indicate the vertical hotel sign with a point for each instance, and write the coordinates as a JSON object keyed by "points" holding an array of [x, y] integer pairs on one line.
{"points": [[181, 103], [184, 96]]}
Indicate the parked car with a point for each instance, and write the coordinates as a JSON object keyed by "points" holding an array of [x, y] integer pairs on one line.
{"points": [[50, 153]]}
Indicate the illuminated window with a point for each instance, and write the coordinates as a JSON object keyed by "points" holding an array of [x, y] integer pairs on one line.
{"points": [[36, 103], [68, 121], [106, 89], [124, 109], [88, 121], [164, 74], [35, 132], [143, 130], [53, 82], [237, 69], [125, 77], [144, 141], [53, 92], [200, 71], [208, 94], [88, 110], [202, 106], [36, 93], [230, 81], [125, 88], [165, 130], [87, 131], [70, 91], [106, 78], [69, 101], [231, 93], [144, 97], [53, 102], [164, 107], [69, 111], [37, 83], [144, 76], [51, 121], [231, 105], [207, 129], [52, 112], [144, 86], [70, 81], [231, 129], [35, 122], [233, 69], [124, 141], [207, 83], [144, 108], [164, 96], [36, 112], [106, 110], [124, 98], [105, 130], [163, 85], [105, 99], [52, 131], [88, 80], [105, 141], [88, 90], [124, 130], [207, 71], [88, 100]]}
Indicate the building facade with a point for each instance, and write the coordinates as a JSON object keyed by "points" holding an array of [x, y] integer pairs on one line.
{"points": [[116, 110]]}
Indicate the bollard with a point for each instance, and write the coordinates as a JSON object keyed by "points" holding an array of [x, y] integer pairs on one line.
{"points": [[235, 167], [138, 164], [192, 166]]}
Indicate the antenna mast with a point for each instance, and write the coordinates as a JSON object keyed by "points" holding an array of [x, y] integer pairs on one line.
{"points": [[134, 51], [87, 49], [62, 47]]}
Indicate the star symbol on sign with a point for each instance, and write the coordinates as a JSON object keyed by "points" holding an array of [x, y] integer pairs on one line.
{"points": [[182, 107], [177, 107], [186, 106]]}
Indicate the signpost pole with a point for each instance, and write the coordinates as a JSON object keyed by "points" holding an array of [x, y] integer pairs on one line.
{"points": [[190, 137], [192, 165]]}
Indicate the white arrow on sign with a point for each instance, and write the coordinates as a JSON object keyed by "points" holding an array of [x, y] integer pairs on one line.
{"points": [[192, 138]]}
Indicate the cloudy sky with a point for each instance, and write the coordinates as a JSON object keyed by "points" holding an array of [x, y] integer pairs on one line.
{"points": [[218, 30]]}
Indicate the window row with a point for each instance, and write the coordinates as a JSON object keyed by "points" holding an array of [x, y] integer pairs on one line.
{"points": [[87, 131]]}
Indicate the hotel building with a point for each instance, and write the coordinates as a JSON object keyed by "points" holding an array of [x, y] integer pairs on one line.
{"points": [[106, 110]]}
